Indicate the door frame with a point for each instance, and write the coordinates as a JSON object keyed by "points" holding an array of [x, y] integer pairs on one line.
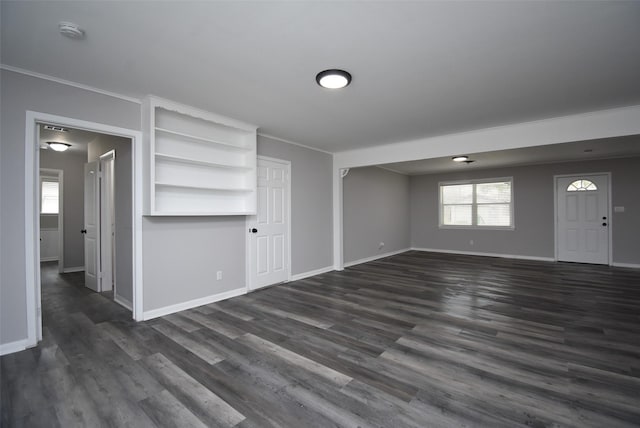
{"points": [[60, 174], [248, 266], [32, 209], [107, 200], [91, 226], [609, 212]]}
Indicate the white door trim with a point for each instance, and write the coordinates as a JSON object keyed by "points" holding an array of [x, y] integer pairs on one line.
{"points": [[247, 224], [338, 232], [555, 212], [32, 211], [60, 174], [107, 202]]}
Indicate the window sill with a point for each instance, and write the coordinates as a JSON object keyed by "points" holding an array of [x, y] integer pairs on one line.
{"points": [[506, 228]]}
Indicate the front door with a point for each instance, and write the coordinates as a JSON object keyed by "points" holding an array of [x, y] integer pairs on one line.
{"points": [[583, 219], [91, 225], [269, 229]]}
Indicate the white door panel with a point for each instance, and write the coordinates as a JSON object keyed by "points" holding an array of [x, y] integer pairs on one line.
{"points": [[269, 252], [583, 219], [91, 224]]}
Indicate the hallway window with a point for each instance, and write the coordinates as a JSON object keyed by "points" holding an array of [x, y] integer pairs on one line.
{"points": [[50, 190]]}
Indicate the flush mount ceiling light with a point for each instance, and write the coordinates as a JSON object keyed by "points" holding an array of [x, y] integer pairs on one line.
{"points": [[58, 146], [71, 30], [333, 79], [460, 158]]}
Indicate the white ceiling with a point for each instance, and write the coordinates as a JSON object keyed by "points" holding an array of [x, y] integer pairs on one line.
{"points": [[606, 148], [78, 139], [419, 69]]}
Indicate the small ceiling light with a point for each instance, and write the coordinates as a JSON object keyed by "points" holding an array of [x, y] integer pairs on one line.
{"points": [[460, 158], [71, 30], [333, 79], [57, 146]]}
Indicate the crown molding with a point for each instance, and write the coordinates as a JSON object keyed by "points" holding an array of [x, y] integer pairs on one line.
{"points": [[69, 83], [262, 134]]}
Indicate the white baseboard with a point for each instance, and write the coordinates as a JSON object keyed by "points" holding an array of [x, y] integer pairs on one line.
{"points": [[11, 347], [310, 273], [73, 269], [49, 259], [626, 265], [475, 253], [376, 257], [160, 312], [123, 302]]}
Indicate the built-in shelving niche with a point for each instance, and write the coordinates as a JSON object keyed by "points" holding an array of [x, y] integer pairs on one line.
{"points": [[198, 163]]}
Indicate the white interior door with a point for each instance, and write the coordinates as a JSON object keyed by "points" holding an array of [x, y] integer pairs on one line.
{"points": [[269, 229], [583, 219], [91, 225], [107, 226]]}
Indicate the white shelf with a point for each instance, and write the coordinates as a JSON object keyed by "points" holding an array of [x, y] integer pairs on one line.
{"points": [[198, 163], [201, 187], [199, 213], [197, 139], [181, 159]]}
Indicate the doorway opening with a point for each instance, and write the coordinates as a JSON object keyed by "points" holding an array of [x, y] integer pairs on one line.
{"points": [[89, 243], [116, 194]]}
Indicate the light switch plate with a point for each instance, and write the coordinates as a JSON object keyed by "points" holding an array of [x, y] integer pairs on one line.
{"points": [[618, 209]]}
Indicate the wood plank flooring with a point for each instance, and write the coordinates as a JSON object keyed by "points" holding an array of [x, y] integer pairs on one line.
{"points": [[414, 340]]}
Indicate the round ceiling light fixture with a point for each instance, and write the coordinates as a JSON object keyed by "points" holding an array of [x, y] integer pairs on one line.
{"points": [[58, 146], [460, 158], [333, 79], [70, 30]]}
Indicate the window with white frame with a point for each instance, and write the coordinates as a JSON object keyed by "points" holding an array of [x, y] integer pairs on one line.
{"points": [[477, 204], [49, 194]]}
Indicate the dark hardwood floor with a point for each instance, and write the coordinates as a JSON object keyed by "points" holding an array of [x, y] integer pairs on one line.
{"points": [[415, 340]]}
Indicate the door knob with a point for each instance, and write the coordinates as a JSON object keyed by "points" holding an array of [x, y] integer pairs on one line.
{"points": [[254, 230], [604, 224], [83, 231]]}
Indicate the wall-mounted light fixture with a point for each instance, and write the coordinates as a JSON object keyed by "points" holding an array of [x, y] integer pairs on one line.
{"points": [[460, 158], [333, 79]]}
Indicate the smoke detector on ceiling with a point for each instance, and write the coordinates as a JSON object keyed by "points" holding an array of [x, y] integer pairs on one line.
{"points": [[71, 30]]}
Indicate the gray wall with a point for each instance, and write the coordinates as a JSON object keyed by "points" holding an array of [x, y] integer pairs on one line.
{"points": [[534, 211], [201, 244], [20, 93], [182, 255], [375, 210], [123, 194], [72, 165], [48, 221], [311, 203]]}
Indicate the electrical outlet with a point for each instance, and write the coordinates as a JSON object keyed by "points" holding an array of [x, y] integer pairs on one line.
{"points": [[219, 275], [380, 246], [471, 242]]}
